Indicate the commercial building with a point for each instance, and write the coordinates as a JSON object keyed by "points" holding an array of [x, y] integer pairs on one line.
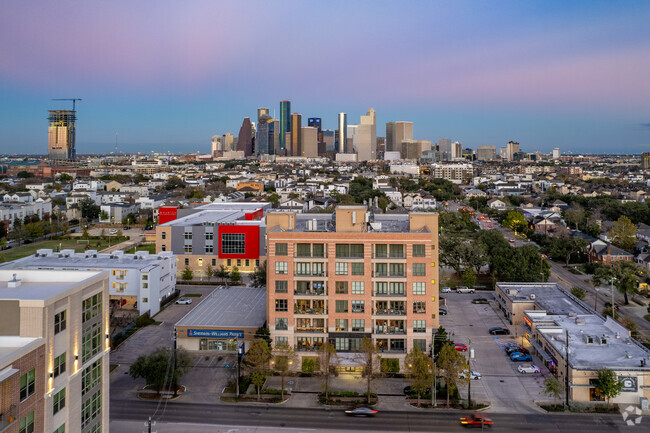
{"points": [[295, 148], [352, 274], [342, 132], [54, 350], [512, 148], [285, 125], [486, 153], [556, 326], [212, 235], [456, 173], [114, 213], [309, 142], [140, 281], [456, 150], [396, 132], [413, 149], [245, 138], [556, 153], [61, 135], [226, 317], [367, 136], [262, 133]]}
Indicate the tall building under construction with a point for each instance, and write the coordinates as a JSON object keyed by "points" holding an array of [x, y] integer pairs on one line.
{"points": [[61, 135]]}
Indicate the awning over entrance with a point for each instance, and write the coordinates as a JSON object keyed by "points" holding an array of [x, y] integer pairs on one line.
{"points": [[350, 359], [545, 356]]}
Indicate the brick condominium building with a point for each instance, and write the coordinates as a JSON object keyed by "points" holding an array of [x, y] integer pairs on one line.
{"points": [[352, 274]]}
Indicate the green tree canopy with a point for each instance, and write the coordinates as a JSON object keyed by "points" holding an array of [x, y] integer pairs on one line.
{"points": [[418, 367], [157, 369], [515, 221], [608, 384], [623, 234]]}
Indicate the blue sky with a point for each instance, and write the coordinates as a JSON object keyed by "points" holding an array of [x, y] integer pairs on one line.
{"points": [[167, 75]]}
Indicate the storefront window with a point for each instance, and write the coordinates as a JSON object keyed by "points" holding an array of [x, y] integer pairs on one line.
{"points": [[218, 344]]}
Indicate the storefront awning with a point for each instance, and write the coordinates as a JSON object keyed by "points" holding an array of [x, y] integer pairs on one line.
{"points": [[545, 356]]}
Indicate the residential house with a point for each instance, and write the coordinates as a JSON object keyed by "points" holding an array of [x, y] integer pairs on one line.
{"points": [[602, 252]]}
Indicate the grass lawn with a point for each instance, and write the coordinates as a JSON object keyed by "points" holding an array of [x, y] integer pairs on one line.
{"points": [[77, 244], [151, 248]]}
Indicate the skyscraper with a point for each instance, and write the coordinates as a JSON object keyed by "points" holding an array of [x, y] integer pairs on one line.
{"points": [[274, 136], [486, 153], [456, 150], [396, 132], [556, 153], [444, 145], [296, 135], [309, 141], [61, 135], [285, 123], [342, 133], [511, 148], [245, 139], [262, 136], [367, 136]]}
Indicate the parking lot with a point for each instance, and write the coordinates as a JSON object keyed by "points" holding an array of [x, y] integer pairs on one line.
{"points": [[502, 385]]}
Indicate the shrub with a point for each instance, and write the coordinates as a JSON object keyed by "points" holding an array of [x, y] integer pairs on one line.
{"points": [[310, 365], [144, 320], [389, 365]]}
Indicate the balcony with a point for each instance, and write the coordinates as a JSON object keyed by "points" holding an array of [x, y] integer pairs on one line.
{"points": [[310, 274], [310, 329], [387, 275], [309, 311], [310, 292], [390, 330], [390, 350], [307, 348], [396, 294], [389, 312], [8, 418]]}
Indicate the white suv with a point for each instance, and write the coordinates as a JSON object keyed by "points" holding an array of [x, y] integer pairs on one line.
{"points": [[464, 289]]}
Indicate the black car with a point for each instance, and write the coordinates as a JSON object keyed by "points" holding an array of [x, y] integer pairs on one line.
{"points": [[479, 301], [442, 312], [127, 228], [497, 330], [510, 350], [409, 391], [609, 305]]}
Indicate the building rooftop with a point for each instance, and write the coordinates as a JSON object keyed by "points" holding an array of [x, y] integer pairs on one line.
{"points": [[210, 216], [550, 297], [40, 284], [13, 347], [379, 223], [46, 258], [229, 307]]}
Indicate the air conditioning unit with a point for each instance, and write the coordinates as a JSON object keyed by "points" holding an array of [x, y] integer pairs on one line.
{"points": [[532, 296]]}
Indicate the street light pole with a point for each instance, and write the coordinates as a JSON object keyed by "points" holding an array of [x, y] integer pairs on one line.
{"points": [[469, 374], [566, 369], [611, 284]]}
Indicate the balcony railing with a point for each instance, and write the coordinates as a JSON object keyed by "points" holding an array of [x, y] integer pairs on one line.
{"points": [[8, 418], [318, 329], [310, 274], [301, 348], [387, 275], [311, 292], [390, 350], [309, 311], [398, 294], [389, 312]]}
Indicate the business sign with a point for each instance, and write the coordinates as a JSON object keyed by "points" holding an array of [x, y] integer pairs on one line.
{"points": [[630, 383], [215, 333]]}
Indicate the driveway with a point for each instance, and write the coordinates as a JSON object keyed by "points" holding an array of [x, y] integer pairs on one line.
{"points": [[502, 385]]}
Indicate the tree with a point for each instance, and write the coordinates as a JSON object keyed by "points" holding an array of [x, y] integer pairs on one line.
{"points": [[257, 360], [451, 362], [65, 177], [440, 339], [157, 369], [626, 276], [515, 221], [89, 210], [623, 234], [188, 274], [451, 253], [235, 276], [209, 272], [418, 367], [263, 333], [283, 358], [103, 215], [368, 354], [3, 230], [259, 276], [328, 360], [469, 277], [174, 182], [553, 387], [574, 215], [32, 231], [223, 274], [274, 199], [579, 293], [24, 175], [608, 384]]}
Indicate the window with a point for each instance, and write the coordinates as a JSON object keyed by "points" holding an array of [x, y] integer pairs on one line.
{"points": [[163, 235], [419, 269], [59, 322], [91, 377], [163, 248], [145, 300], [238, 262], [281, 249], [419, 307], [341, 268], [341, 287], [349, 251], [419, 326], [381, 269], [342, 250], [200, 262], [341, 306], [396, 251], [281, 286], [229, 262], [279, 341], [421, 343], [188, 235], [58, 402], [247, 263], [214, 262], [303, 250], [187, 248], [91, 307], [61, 429], [257, 263], [303, 268], [27, 424], [281, 305], [27, 384], [419, 288], [356, 251], [381, 288], [358, 325], [396, 288], [381, 251], [341, 325], [419, 250], [145, 277], [397, 269], [91, 341], [209, 236], [358, 287], [318, 250], [357, 268], [187, 262], [209, 249], [358, 306], [318, 269], [91, 408], [281, 268], [233, 243], [281, 324], [59, 364]]}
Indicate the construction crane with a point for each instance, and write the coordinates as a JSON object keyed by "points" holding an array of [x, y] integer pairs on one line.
{"points": [[74, 100]]}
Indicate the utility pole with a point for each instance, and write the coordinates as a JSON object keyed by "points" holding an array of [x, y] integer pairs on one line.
{"points": [[469, 374], [566, 369], [148, 424], [611, 284], [174, 384]]}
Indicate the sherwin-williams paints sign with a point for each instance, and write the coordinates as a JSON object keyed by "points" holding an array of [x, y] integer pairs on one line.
{"points": [[214, 333]]}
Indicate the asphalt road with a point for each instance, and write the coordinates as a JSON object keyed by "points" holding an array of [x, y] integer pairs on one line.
{"points": [[293, 418]]}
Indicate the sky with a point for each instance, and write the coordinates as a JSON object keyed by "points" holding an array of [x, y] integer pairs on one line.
{"points": [[160, 75]]}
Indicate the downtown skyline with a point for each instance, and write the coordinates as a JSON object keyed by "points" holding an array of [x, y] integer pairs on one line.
{"points": [[168, 77]]}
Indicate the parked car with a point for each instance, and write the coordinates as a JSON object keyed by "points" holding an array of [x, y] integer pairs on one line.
{"points": [[510, 350], [446, 289], [149, 227], [442, 311], [460, 347], [511, 240], [476, 420], [127, 228], [474, 375], [465, 289], [185, 301], [528, 368], [361, 411], [112, 232], [521, 357], [479, 301], [497, 330], [609, 305], [408, 391]]}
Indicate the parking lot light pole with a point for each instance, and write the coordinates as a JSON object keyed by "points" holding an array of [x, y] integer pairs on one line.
{"points": [[611, 284], [469, 374]]}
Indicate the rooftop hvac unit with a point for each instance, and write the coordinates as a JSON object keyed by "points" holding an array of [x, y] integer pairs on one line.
{"points": [[532, 296]]}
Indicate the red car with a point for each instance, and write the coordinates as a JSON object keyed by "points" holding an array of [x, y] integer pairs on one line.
{"points": [[460, 347], [477, 420]]}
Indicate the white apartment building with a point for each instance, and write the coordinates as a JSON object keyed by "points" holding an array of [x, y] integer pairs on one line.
{"points": [[68, 313], [90, 185], [140, 281], [453, 172], [11, 211]]}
